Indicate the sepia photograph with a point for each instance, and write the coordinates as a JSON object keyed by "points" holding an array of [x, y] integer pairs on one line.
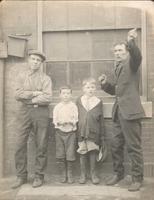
{"points": [[76, 100]]}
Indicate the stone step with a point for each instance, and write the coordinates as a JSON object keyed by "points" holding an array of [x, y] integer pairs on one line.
{"points": [[75, 192]]}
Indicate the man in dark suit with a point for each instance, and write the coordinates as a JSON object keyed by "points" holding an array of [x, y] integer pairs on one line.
{"points": [[127, 110]]}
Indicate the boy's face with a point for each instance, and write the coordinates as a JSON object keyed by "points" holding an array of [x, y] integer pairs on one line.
{"points": [[65, 95], [89, 89]]}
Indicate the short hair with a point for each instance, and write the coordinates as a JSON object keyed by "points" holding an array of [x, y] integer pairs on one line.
{"points": [[65, 87], [88, 80], [121, 43]]}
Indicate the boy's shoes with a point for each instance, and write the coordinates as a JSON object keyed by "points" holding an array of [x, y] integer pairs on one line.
{"points": [[63, 178], [62, 170], [95, 179], [19, 182], [70, 179], [82, 179], [37, 182], [135, 186], [114, 180]]}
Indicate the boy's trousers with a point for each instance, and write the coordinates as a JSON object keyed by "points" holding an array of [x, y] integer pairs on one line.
{"points": [[129, 132], [33, 119]]}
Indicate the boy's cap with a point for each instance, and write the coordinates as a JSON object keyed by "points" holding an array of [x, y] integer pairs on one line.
{"points": [[37, 52]]}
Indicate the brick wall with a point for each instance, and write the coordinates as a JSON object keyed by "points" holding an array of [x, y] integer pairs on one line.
{"points": [[24, 23], [148, 125], [15, 19]]}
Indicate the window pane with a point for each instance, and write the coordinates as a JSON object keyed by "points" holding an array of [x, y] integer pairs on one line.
{"points": [[86, 53], [103, 42], [78, 71], [57, 72], [79, 45], [55, 45], [103, 67]]}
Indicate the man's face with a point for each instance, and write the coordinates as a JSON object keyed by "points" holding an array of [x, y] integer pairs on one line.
{"points": [[34, 62], [120, 52], [65, 95]]}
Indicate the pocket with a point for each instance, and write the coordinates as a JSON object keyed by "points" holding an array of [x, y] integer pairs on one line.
{"points": [[93, 130]]}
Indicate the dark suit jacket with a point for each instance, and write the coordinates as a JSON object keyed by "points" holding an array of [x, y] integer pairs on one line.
{"points": [[126, 86], [91, 123]]}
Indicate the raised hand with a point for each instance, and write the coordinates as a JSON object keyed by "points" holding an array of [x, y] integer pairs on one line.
{"points": [[132, 34]]}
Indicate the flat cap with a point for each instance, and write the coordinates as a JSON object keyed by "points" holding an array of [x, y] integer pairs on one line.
{"points": [[37, 52]]}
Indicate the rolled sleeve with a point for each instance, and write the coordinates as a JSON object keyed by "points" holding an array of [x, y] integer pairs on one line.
{"points": [[20, 93]]}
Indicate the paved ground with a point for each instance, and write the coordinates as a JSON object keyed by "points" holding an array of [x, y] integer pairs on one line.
{"points": [[52, 190]]}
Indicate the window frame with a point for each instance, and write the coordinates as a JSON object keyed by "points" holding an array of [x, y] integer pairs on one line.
{"points": [[109, 100], [143, 51]]}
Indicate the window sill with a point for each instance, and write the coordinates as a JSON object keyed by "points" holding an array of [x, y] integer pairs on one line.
{"points": [[107, 107], [147, 105]]}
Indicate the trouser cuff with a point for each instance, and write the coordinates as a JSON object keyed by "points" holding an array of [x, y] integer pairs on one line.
{"points": [[137, 178], [22, 177], [41, 176]]}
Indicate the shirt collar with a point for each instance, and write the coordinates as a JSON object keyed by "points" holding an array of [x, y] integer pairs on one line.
{"points": [[92, 101], [30, 72]]}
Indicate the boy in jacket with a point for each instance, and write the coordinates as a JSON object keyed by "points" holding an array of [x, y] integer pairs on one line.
{"points": [[90, 129]]}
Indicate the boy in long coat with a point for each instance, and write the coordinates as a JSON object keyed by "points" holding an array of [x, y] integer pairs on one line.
{"points": [[90, 129]]}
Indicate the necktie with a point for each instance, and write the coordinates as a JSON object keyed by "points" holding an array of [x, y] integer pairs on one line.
{"points": [[118, 69]]}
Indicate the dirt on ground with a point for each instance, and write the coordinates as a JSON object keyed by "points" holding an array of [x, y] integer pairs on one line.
{"points": [[6, 193]]}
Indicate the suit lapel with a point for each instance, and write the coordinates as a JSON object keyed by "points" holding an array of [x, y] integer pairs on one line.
{"points": [[118, 69]]}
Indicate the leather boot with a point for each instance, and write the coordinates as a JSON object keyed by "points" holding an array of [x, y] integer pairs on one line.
{"points": [[82, 179], [38, 181], [94, 178], [115, 179], [70, 172], [135, 186], [62, 170]]}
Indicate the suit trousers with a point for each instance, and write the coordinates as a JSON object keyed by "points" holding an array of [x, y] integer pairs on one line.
{"points": [[127, 132], [34, 120]]}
